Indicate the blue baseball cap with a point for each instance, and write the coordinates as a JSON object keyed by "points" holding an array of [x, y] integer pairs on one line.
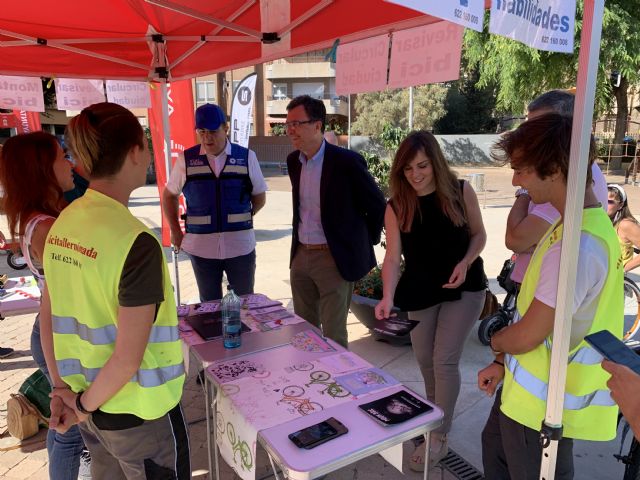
{"points": [[210, 116]]}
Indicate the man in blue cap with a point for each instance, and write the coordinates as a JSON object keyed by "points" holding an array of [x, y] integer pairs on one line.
{"points": [[224, 188]]}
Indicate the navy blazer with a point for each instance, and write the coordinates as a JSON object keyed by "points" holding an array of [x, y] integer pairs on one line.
{"points": [[351, 209]]}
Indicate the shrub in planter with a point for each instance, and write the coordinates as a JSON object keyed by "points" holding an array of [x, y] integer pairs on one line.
{"points": [[367, 292]]}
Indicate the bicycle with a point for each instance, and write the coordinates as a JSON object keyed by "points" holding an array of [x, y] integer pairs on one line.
{"points": [[631, 309], [331, 387], [291, 395], [497, 321], [239, 446]]}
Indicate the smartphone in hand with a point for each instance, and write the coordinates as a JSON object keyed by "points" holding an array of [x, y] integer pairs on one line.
{"points": [[318, 434], [614, 349]]}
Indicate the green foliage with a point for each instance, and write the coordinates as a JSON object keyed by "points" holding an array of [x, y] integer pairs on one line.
{"points": [[379, 169], [522, 73], [377, 109], [370, 285], [470, 109], [391, 137], [278, 130]]}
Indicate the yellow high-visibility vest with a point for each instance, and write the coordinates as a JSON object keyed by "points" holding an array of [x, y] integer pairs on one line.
{"points": [[589, 413], [84, 256]]}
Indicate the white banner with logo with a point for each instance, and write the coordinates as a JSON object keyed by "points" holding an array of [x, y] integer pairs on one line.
{"points": [[21, 93], [427, 54], [362, 66], [543, 24], [468, 13], [129, 94], [242, 110], [77, 93]]}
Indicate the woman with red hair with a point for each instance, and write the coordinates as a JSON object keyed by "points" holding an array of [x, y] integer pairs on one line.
{"points": [[34, 173]]}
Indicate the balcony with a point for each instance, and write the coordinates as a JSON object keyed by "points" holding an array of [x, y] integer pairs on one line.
{"points": [[288, 69], [335, 105]]}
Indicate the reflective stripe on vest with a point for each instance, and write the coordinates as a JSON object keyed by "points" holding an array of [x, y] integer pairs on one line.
{"points": [[585, 355], [107, 335], [145, 378], [198, 220], [539, 388], [198, 170], [238, 217], [242, 170]]}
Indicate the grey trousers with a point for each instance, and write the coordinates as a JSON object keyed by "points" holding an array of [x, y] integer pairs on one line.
{"points": [[437, 342], [511, 451], [155, 450], [320, 295]]}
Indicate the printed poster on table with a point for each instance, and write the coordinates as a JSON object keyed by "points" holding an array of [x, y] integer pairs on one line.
{"points": [[468, 13], [362, 66], [21, 93], [428, 54], [543, 24], [78, 93]]}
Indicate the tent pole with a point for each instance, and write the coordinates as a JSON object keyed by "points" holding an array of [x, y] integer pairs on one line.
{"points": [[349, 121], [578, 163], [166, 128], [410, 108]]}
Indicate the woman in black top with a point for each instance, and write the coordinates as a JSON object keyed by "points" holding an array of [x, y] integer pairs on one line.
{"points": [[434, 221]]}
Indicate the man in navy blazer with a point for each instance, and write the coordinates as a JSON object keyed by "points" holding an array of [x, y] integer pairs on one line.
{"points": [[338, 213]]}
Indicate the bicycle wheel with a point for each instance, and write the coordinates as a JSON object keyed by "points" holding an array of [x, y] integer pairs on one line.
{"points": [[293, 391], [16, 261], [320, 376], [632, 467], [231, 434], [490, 325], [309, 407], [245, 456], [631, 309]]}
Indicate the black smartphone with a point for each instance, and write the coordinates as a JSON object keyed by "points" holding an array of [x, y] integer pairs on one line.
{"points": [[614, 349], [318, 434]]}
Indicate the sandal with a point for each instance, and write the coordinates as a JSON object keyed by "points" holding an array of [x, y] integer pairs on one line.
{"points": [[438, 450]]}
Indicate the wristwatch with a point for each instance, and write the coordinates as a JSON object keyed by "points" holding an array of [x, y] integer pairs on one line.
{"points": [[521, 191], [80, 407]]}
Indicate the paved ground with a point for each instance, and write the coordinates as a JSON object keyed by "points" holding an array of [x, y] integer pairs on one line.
{"points": [[273, 228]]}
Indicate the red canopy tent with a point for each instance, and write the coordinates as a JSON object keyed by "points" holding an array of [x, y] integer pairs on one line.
{"points": [[156, 39], [173, 40]]}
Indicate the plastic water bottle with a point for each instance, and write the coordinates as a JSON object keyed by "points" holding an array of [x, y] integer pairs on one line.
{"points": [[231, 324]]}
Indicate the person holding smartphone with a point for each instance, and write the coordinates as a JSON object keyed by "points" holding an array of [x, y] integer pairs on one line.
{"points": [[538, 151]]}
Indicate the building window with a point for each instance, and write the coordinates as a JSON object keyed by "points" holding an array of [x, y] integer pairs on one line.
{"points": [[205, 92], [279, 91]]}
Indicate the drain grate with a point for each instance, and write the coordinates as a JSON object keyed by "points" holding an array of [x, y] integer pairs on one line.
{"points": [[459, 467]]}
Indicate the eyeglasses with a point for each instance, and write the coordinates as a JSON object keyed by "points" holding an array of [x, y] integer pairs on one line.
{"points": [[611, 202], [297, 123], [204, 131]]}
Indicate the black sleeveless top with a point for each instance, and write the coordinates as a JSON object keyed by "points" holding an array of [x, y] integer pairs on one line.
{"points": [[431, 250]]}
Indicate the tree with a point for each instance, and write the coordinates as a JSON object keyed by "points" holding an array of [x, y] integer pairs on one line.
{"points": [[469, 109], [521, 73], [392, 107]]}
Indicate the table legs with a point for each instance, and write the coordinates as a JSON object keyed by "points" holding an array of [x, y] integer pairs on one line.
{"points": [[210, 412], [273, 467], [427, 455]]}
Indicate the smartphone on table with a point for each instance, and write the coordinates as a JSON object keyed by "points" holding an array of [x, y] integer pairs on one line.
{"points": [[614, 349], [318, 434]]}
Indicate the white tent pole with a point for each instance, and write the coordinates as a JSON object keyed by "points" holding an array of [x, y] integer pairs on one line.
{"points": [[580, 141], [410, 108], [349, 121], [166, 128]]}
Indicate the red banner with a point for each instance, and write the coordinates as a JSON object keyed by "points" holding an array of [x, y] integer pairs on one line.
{"points": [[27, 121], [8, 120], [182, 126]]}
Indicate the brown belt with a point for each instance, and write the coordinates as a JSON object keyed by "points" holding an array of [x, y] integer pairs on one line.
{"points": [[316, 246]]}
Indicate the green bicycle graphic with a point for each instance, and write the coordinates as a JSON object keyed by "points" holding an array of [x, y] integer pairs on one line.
{"points": [[331, 387], [237, 445]]}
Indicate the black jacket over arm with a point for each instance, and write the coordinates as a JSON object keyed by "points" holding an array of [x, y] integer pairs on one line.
{"points": [[351, 206]]}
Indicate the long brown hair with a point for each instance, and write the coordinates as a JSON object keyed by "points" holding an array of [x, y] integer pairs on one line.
{"points": [[404, 199], [28, 179]]}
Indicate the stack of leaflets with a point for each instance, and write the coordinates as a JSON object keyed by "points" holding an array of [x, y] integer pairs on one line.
{"points": [[365, 381], [395, 408]]}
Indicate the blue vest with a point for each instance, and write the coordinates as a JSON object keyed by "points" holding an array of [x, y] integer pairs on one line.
{"points": [[218, 204]]}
